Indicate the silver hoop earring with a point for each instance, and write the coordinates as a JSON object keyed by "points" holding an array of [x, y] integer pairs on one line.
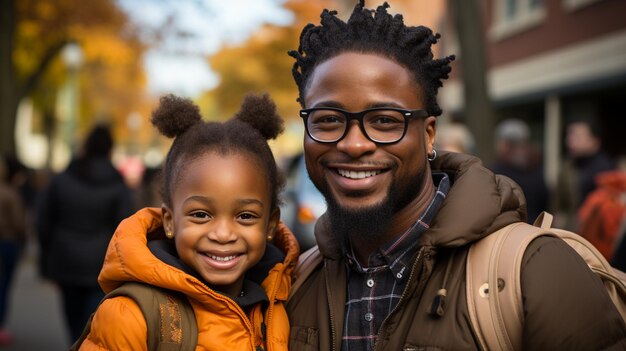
{"points": [[433, 157]]}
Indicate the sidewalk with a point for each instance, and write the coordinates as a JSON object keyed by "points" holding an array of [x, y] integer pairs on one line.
{"points": [[35, 313]]}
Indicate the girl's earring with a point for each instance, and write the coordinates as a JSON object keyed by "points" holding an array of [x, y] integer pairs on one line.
{"points": [[169, 234], [269, 237]]}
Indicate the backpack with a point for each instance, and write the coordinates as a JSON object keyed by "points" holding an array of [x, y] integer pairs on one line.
{"points": [[494, 261], [169, 316]]}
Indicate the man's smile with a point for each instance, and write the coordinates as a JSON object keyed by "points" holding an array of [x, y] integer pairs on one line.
{"points": [[357, 174]]}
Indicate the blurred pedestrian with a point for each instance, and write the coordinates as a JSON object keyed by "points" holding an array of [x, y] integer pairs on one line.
{"points": [[78, 213], [12, 240], [517, 159], [585, 159], [602, 213], [148, 192]]}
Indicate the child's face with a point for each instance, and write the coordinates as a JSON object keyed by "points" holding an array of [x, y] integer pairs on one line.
{"points": [[221, 217]]}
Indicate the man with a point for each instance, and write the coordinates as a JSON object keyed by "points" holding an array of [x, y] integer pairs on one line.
{"points": [[517, 158], [401, 218], [586, 160]]}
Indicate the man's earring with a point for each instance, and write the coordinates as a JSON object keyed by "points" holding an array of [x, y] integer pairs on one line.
{"points": [[433, 157], [169, 234]]}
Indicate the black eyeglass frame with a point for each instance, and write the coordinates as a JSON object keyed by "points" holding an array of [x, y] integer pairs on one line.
{"points": [[408, 115]]}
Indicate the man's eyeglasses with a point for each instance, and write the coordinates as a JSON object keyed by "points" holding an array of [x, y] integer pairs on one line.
{"points": [[382, 125]]}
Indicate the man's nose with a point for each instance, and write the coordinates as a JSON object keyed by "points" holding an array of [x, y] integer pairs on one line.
{"points": [[355, 143]]}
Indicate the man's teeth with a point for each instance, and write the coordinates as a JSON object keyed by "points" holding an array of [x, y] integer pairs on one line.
{"points": [[357, 175], [223, 259]]}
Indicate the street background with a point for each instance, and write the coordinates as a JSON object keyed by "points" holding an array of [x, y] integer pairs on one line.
{"points": [[35, 314], [67, 65]]}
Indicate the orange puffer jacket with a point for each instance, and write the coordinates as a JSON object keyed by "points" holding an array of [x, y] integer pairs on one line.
{"points": [[222, 325]]}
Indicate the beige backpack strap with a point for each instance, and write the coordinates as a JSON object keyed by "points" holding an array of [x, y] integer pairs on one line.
{"points": [[307, 263], [493, 265], [544, 220], [614, 280]]}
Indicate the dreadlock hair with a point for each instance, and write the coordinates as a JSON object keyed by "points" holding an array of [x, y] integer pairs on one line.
{"points": [[246, 134], [375, 32]]}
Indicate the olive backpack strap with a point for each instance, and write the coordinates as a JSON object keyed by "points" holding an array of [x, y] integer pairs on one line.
{"points": [[170, 319], [307, 263]]}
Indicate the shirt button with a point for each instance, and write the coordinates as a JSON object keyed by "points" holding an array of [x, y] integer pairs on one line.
{"points": [[370, 282], [369, 317]]}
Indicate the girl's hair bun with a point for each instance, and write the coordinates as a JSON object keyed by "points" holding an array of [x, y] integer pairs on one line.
{"points": [[175, 115], [260, 113]]}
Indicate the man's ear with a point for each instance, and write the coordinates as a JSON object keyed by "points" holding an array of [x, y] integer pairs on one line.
{"points": [[168, 220], [430, 129]]}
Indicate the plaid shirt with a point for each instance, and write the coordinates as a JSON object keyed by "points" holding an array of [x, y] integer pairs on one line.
{"points": [[374, 291]]}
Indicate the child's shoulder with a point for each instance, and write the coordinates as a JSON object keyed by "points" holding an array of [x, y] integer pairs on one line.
{"points": [[117, 324]]}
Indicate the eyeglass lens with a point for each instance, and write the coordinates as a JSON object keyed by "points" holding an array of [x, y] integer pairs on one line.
{"points": [[379, 125]]}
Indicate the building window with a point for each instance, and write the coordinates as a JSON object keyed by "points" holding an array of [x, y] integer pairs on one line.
{"points": [[572, 5], [514, 16]]}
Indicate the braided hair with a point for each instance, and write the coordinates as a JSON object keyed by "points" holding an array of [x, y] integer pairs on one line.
{"points": [[375, 32], [245, 133]]}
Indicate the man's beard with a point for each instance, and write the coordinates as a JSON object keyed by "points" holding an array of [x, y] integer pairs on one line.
{"points": [[371, 222]]}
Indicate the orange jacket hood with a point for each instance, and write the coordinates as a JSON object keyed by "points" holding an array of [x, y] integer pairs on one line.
{"points": [[128, 258]]}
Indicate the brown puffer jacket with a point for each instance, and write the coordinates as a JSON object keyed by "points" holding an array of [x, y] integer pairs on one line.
{"points": [[565, 306]]}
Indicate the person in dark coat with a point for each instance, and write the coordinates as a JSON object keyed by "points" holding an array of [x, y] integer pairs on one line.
{"points": [[586, 159], [515, 158], [12, 241], [76, 218]]}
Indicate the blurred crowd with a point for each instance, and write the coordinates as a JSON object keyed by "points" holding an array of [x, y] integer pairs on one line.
{"points": [[590, 196], [71, 216]]}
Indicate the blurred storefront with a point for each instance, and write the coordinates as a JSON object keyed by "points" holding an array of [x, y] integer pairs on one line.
{"points": [[549, 62]]}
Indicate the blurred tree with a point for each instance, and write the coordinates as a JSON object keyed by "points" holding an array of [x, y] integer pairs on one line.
{"points": [[479, 112], [261, 64], [34, 32]]}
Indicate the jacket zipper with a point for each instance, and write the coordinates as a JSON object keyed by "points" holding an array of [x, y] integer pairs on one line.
{"points": [[403, 297], [270, 309], [333, 332], [242, 315]]}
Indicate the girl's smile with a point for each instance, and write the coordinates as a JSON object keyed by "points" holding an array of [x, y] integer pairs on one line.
{"points": [[220, 217]]}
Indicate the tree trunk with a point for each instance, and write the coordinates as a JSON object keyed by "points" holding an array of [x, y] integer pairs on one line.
{"points": [[8, 83], [479, 113]]}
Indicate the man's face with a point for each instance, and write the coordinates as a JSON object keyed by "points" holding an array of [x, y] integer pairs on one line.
{"points": [[580, 141], [355, 174]]}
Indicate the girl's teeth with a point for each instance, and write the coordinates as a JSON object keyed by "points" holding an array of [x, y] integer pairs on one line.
{"points": [[357, 175], [223, 259]]}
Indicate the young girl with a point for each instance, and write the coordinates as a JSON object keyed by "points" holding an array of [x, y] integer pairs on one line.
{"points": [[221, 243]]}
